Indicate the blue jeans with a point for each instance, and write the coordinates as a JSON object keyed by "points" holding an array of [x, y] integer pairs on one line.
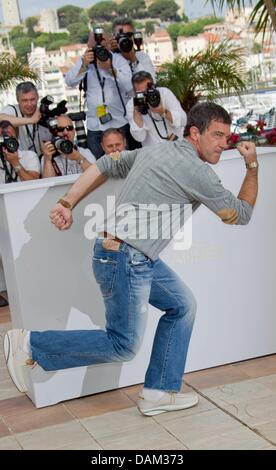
{"points": [[129, 280]]}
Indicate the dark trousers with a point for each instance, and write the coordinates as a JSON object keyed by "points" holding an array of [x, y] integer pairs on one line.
{"points": [[94, 141]]}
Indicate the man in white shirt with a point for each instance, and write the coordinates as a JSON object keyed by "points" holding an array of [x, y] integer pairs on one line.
{"points": [[17, 165], [137, 60], [154, 122], [108, 83], [25, 115], [74, 163]]}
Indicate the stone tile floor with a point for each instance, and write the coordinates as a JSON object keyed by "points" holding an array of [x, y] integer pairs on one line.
{"points": [[237, 410]]}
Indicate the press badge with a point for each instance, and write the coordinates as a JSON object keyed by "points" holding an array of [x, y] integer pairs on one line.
{"points": [[101, 110]]}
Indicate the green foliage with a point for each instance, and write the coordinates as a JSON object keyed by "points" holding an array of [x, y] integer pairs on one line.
{"points": [[69, 14], [22, 47], [163, 9], [132, 8], [55, 45], [30, 23], [103, 11], [13, 70], [191, 29], [78, 33], [218, 69], [149, 28], [263, 15]]}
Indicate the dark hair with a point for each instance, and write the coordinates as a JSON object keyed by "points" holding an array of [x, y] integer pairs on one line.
{"points": [[112, 130], [122, 22], [202, 114], [5, 124], [25, 87], [139, 77]]}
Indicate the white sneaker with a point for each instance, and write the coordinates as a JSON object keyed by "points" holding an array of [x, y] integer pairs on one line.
{"points": [[16, 358], [169, 402]]}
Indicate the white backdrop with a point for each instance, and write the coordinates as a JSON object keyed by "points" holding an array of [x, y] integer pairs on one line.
{"points": [[231, 270]]}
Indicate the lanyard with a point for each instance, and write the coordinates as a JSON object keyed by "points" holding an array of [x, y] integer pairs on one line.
{"points": [[10, 175], [156, 128], [32, 137], [101, 82]]}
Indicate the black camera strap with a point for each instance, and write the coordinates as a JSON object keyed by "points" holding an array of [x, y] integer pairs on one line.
{"points": [[101, 82], [10, 174], [56, 167], [156, 128], [30, 136], [118, 88]]}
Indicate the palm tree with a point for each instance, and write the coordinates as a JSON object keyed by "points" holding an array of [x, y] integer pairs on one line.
{"points": [[12, 70], [219, 69], [264, 12]]}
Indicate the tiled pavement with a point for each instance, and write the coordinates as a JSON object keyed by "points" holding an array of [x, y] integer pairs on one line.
{"points": [[237, 410]]}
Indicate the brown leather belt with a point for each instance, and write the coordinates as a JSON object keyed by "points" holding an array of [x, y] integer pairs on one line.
{"points": [[111, 237]]}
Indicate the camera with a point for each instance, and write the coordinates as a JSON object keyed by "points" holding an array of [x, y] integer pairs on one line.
{"points": [[47, 113], [101, 53], [125, 44], [8, 143], [78, 119], [61, 145], [138, 39], [143, 100]]}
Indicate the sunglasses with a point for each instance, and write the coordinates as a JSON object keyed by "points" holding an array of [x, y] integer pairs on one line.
{"points": [[68, 128]]}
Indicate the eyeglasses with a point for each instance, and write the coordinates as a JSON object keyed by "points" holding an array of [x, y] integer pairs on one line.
{"points": [[68, 128]]}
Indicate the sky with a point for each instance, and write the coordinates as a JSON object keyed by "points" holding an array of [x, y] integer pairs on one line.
{"points": [[193, 8]]}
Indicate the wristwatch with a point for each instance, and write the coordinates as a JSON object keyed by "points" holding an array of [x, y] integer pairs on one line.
{"points": [[17, 168], [81, 160], [252, 165], [65, 203]]}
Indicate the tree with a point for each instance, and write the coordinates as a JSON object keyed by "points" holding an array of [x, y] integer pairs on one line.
{"points": [[103, 11], [149, 27], [13, 71], [78, 33], [264, 12], [164, 9], [30, 23], [69, 14], [218, 69], [132, 8]]}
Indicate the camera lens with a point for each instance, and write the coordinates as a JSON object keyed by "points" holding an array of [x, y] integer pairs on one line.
{"points": [[125, 44], [101, 53], [153, 97], [64, 146]]}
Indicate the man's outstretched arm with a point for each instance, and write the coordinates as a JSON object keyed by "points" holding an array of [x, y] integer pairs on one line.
{"points": [[94, 176], [60, 215]]}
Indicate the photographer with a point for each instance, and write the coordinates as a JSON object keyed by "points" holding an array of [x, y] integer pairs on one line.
{"points": [[74, 162], [108, 80], [155, 114], [113, 141], [15, 164], [26, 115], [124, 34]]}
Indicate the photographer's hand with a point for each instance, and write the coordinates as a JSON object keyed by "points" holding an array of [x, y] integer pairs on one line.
{"points": [[88, 57], [12, 158], [61, 217], [48, 150], [138, 118], [113, 44], [130, 56]]}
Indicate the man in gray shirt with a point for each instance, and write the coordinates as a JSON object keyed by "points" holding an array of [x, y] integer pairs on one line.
{"points": [[128, 269]]}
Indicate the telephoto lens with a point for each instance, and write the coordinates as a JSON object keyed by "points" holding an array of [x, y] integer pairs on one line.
{"points": [[81, 134]]}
